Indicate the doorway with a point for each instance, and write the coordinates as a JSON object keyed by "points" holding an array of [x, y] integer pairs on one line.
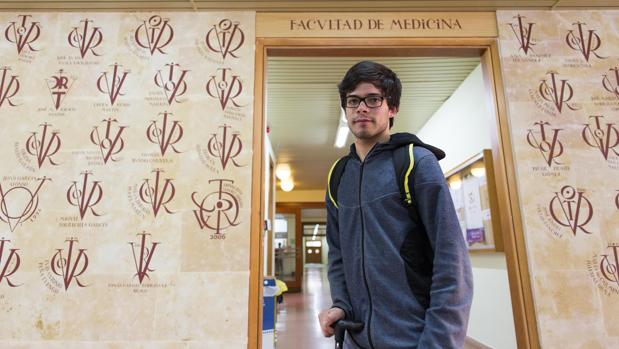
{"points": [[314, 242], [486, 52]]}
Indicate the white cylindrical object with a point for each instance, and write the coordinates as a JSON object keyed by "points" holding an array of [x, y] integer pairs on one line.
{"points": [[287, 184], [283, 171]]}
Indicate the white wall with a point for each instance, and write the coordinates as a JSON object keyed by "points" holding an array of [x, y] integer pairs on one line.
{"points": [[301, 196], [269, 155], [461, 128], [491, 321]]}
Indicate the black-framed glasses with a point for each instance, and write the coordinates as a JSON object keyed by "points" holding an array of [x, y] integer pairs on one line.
{"points": [[371, 101]]}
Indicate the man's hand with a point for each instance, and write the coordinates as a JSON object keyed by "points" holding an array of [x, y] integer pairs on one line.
{"points": [[327, 318]]}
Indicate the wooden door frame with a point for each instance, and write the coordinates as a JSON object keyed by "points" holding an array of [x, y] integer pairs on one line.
{"points": [[511, 219]]}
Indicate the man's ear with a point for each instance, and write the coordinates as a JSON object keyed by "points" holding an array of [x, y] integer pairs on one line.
{"points": [[392, 111]]}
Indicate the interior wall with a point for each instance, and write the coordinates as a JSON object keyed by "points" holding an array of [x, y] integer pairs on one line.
{"points": [[301, 196], [325, 251], [461, 128], [269, 156], [491, 320], [561, 83], [126, 179]]}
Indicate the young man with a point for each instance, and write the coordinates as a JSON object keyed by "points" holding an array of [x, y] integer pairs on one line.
{"points": [[404, 273]]}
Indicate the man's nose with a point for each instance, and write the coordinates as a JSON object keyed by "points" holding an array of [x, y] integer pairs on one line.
{"points": [[362, 106]]}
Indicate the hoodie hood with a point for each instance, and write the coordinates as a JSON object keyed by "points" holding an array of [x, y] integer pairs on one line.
{"points": [[399, 140]]}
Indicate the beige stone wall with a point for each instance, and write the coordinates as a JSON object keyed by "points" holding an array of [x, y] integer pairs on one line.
{"points": [[562, 84], [125, 145]]}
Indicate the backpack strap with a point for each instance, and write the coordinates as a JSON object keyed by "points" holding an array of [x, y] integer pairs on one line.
{"points": [[404, 161], [335, 175], [407, 183]]}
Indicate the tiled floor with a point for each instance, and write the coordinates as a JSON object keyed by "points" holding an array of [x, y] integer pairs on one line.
{"points": [[297, 321]]}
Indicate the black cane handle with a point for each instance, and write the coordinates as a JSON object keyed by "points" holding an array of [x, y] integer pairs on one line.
{"points": [[341, 327]]}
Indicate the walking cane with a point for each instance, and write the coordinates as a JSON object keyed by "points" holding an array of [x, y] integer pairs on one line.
{"points": [[341, 327]]}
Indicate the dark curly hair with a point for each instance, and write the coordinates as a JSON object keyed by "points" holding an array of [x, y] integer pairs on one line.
{"points": [[378, 75]]}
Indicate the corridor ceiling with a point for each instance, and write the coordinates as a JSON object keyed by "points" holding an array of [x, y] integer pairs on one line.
{"points": [[315, 5], [302, 105]]}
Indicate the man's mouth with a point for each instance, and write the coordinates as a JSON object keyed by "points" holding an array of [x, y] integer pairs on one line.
{"points": [[362, 120]]}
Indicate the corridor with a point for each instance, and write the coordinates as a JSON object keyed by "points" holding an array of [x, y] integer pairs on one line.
{"points": [[297, 321]]}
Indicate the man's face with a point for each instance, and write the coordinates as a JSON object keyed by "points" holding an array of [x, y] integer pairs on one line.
{"points": [[368, 123]]}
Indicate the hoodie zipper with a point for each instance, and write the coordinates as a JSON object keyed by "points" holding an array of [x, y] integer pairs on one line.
{"points": [[365, 278]]}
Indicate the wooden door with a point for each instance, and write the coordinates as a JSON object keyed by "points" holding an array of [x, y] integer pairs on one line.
{"points": [[313, 251]]}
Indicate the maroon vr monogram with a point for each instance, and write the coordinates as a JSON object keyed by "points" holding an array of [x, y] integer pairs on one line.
{"points": [[23, 33], [549, 146], [225, 89], [570, 208], [154, 34], [44, 145], [157, 193], [19, 203], [225, 38], [225, 146], [523, 32], [9, 86], [165, 136], [609, 264], [10, 264], [58, 87], [112, 84], [559, 93], [605, 139], [70, 266], [585, 43], [112, 143], [611, 83], [173, 85], [86, 37], [218, 210], [85, 196], [143, 258]]}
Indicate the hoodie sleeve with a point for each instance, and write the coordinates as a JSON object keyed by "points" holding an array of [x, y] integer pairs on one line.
{"points": [[337, 282], [451, 292]]}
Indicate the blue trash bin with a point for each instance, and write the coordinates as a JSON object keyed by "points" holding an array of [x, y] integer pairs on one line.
{"points": [[268, 313]]}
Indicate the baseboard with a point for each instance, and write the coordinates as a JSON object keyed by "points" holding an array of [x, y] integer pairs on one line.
{"points": [[470, 343]]}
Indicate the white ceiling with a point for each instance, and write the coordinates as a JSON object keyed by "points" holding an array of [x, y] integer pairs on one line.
{"points": [[302, 105]]}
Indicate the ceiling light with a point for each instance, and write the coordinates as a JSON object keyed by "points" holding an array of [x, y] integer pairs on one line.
{"points": [[342, 130], [286, 184], [283, 171], [315, 232], [478, 170], [342, 135], [342, 116], [455, 183]]}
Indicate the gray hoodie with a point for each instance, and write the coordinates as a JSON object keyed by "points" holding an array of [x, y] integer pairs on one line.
{"points": [[408, 278]]}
